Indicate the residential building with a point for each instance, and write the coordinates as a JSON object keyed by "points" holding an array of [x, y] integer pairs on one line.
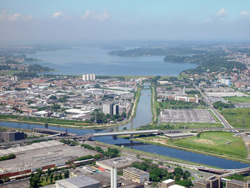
{"points": [[135, 175], [88, 77]]}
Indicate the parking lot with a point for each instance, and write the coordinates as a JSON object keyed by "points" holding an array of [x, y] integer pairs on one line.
{"points": [[185, 116]]}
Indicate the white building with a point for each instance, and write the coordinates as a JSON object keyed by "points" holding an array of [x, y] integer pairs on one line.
{"points": [[88, 77], [14, 78]]}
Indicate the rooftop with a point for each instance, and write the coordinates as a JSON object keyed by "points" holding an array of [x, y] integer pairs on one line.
{"points": [[118, 162], [79, 182], [135, 170]]}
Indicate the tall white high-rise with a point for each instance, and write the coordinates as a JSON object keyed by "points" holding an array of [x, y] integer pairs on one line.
{"points": [[84, 77], [90, 77], [93, 76]]}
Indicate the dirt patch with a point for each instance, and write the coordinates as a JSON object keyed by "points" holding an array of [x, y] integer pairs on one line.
{"points": [[204, 141], [161, 141]]}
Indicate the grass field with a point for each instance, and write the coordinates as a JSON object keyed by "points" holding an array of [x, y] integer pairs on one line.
{"points": [[237, 116], [237, 99], [42, 120], [9, 72], [221, 143], [196, 125]]}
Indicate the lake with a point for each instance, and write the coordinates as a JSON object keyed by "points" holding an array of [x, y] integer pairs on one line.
{"points": [[95, 60]]}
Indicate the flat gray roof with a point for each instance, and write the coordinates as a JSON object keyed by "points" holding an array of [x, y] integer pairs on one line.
{"points": [[136, 171], [81, 181]]}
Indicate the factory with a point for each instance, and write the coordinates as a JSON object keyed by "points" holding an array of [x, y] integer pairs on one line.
{"points": [[41, 155], [78, 182]]}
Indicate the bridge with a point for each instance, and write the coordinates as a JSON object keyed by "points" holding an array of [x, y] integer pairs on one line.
{"points": [[80, 137], [156, 131], [114, 134]]}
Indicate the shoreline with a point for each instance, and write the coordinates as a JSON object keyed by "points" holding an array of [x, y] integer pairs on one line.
{"points": [[170, 159], [192, 150]]}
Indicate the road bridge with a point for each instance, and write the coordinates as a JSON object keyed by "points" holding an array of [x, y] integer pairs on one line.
{"points": [[126, 133]]}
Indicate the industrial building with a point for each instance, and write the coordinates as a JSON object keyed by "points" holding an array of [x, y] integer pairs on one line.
{"points": [[135, 175], [12, 136], [210, 182], [78, 182], [110, 108], [41, 155], [118, 162]]}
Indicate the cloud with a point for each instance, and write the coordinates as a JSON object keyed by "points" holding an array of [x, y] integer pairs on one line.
{"points": [[13, 17], [3, 15], [245, 13], [208, 20], [102, 16], [19, 17], [222, 13], [58, 14], [86, 14]]}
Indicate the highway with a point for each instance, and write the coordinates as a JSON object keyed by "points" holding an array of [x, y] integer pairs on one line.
{"points": [[216, 113]]}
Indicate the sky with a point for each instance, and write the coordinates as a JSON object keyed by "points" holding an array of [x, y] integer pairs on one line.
{"points": [[111, 20]]}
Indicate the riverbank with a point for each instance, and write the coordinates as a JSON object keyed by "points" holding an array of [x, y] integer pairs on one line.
{"points": [[153, 107], [170, 160], [160, 141]]}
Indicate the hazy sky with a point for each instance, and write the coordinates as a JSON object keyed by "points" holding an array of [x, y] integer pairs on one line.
{"points": [[79, 20]]}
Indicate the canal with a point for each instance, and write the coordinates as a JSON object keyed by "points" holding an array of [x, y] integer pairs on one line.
{"points": [[143, 116]]}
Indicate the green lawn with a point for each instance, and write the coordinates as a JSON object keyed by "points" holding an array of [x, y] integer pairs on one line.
{"points": [[9, 72], [43, 120], [237, 99], [237, 116], [221, 143]]}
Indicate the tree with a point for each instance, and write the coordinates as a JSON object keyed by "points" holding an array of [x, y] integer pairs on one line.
{"points": [[97, 156], [60, 176], [186, 174], [177, 177], [53, 97], [66, 174], [186, 183], [138, 156], [51, 178], [178, 170], [99, 149], [97, 86]]}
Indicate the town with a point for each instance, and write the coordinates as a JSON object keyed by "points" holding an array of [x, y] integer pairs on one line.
{"points": [[82, 130]]}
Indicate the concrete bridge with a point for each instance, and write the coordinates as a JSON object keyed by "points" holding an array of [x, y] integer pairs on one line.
{"points": [[156, 131]]}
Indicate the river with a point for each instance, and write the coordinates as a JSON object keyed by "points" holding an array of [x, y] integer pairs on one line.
{"points": [[87, 60], [143, 116]]}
